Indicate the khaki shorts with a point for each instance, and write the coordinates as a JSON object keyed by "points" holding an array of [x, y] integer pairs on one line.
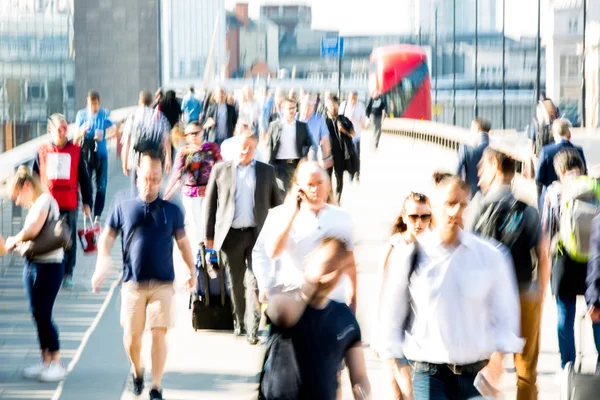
{"points": [[146, 304]]}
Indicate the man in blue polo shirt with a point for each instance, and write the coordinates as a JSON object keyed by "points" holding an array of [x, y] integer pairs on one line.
{"points": [[94, 128], [147, 225], [318, 131], [191, 107]]}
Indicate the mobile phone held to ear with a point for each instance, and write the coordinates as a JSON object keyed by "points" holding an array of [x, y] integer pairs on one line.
{"points": [[301, 194]]}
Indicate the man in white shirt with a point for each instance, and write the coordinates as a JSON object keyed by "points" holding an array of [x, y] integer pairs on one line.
{"points": [[465, 306], [356, 112], [250, 110], [294, 229], [289, 141]]}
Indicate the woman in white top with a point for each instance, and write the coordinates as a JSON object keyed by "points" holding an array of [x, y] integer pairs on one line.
{"points": [[413, 220], [43, 273]]}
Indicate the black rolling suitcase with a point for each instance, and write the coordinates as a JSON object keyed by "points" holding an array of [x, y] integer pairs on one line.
{"points": [[211, 304], [577, 385]]}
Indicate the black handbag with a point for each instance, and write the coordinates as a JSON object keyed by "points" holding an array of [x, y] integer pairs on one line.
{"points": [[280, 376], [55, 234]]}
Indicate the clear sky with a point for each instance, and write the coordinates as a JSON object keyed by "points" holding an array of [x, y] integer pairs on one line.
{"points": [[379, 16]]}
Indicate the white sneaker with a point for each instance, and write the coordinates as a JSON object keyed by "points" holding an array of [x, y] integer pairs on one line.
{"points": [[55, 372], [34, 371]]}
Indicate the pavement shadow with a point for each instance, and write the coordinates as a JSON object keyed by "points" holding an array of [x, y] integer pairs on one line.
{"points": [[208, 382]]}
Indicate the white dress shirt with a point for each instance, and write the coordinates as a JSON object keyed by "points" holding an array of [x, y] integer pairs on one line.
{"points": [[308, 229], [245, 185], [287, 142], [465, 299], [357, 114]]}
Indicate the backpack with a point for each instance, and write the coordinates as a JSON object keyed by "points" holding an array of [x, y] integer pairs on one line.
{"points": [[149, 136], [280, 376], [89, 152], [580, 203], [504, 222]]}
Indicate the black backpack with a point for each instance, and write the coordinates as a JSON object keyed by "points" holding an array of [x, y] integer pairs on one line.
{"points": [[504, 222], [280, 376], [89, 152]]}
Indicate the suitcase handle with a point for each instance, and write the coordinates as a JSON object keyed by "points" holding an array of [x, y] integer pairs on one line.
{"points": [[205, 272], [580, 353]]}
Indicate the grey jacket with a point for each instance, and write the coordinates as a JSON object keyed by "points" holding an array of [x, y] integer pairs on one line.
{"points": [[220, 199]]}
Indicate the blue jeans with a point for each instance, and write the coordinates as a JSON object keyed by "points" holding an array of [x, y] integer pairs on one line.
{"points": [[42, 283], [566, 334], [71, 253], [101, 173], [440, 383]]}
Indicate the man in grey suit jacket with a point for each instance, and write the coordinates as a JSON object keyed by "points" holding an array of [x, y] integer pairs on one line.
{"points": [[289, 142], [238, 198]]}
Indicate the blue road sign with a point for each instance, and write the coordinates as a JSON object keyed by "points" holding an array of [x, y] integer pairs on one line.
{"points": [[329, 46]]}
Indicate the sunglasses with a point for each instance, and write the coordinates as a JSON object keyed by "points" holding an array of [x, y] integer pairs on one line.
{"points": [[193, 133], [425, 218]]}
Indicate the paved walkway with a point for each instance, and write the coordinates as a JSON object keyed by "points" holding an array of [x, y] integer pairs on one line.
{"points": [[216, 365]]}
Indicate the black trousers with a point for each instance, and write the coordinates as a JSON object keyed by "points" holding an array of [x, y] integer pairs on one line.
{"points": [[284, 171], [338, 169], [237, 258]]}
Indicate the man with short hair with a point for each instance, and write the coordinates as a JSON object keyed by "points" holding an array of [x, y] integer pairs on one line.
{"points": [[568, 273], [452, 306], [341, 145], [356, 112], [545, 173], [191, 107], [289, 142], [318, 131], [239, 195], [469, 155], [319, 352], [220, 118], [376, 109], [497, 172], [145, 121], [94, 129], [148, 225], [294, 229], [62, 169]]}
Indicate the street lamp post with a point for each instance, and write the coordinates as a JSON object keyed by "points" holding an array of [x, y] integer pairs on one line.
{"points": [[339, 45], [503, 64], [435, 56], [583, 66], [476, 110], [538, 52], [454, 63]]}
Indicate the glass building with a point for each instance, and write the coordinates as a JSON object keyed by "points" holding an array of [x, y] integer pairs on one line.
{"points": [[37, 68]]}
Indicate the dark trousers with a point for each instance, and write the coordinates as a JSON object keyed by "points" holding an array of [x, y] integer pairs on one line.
{"points": [[376, 131], [42, 283], [71, 253], [440, 383], [237, 257], [357, 149], [284, 171], [339, 181], [566, 308], [101, 174]]}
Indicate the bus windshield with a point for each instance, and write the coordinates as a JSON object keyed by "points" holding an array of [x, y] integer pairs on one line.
{"points": [[401, 96]]}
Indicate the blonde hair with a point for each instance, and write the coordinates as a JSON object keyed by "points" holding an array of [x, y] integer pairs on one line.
{"points": [[23, 175]]}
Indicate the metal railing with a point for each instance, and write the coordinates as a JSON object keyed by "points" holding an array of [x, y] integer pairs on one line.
{"points": [[12, 216]]}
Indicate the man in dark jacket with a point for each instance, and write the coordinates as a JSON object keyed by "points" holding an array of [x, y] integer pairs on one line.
{"points": [[289, 142], [545, 173], [342, 147], [470, 156], [220, 119], [62, 169]]}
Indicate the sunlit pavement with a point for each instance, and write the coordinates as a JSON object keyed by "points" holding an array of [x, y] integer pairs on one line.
{"points": [[216, 365]]}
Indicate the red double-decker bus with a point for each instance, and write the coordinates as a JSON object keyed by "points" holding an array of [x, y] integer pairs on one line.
{"points": [[400, 73]]}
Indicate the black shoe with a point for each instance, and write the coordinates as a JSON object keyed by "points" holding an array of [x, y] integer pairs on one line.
{"points": [[252, 339], [138, 384], [155, 394]]}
